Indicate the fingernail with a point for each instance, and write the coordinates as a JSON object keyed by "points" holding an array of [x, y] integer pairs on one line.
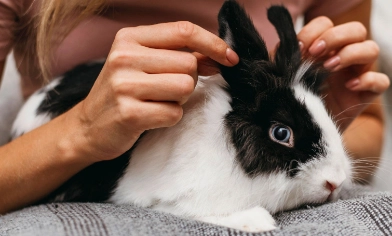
{"points": [[318, 48], [332, 62], [301, 46], [232, 57], [351, 84]]}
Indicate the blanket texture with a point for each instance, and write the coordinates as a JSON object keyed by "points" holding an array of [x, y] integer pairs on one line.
{"points": [[363, 214]]}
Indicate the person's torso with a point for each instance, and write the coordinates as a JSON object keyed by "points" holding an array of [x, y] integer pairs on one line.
{"points": [[92, 38]]}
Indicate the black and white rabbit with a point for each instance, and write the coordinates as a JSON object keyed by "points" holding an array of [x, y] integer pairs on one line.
{"points": [[254, 140]]}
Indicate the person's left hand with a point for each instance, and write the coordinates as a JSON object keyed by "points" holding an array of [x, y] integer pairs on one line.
{"points": [[344, 50]]}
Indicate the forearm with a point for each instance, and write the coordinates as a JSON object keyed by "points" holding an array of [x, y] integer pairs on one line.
{"points": [[40, 161], [364, 141]]}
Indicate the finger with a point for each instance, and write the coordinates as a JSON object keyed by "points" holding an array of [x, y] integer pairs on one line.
{"points": [[313, 30], [154, 61], [182, 34], [158, 87], [354, 54], [338, 37], [205, 65], [370, 81], [152, 114]]}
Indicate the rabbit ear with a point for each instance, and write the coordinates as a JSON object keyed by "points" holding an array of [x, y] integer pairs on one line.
{"points": [[288, 55], [237, 29]]}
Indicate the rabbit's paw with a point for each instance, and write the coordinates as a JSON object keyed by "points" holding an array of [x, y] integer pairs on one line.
{"points": [[256, 219]]}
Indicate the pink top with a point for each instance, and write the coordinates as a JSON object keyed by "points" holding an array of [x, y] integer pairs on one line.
{"points": [[92, 38]]}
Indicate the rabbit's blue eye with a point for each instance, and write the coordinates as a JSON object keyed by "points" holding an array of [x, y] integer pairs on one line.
{"points": [[282, 134]]}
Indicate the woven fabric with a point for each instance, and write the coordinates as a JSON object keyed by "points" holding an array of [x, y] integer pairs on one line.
{"points": [[365, 214]]}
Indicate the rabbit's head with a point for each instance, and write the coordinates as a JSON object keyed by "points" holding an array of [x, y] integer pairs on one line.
{"points": [[278, 123]]}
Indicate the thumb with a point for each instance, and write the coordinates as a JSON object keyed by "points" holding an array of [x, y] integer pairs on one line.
{"points": [[205, 65]]}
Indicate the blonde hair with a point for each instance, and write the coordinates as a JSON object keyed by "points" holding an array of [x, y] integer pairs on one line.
{"points": [[54, 21]]}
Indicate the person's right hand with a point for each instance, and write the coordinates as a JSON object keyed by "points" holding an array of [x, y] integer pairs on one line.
{"points": [[346, 51], [143, 84]]}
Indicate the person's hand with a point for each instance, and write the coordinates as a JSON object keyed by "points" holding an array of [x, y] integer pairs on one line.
{"points": [[144, 82], [344, 50]]}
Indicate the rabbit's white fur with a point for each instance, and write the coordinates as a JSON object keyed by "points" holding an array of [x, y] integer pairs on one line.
{"points": [[27, 118]]}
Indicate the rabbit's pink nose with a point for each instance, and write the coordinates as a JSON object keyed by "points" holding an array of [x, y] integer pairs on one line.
{"points": [[330, 186]]}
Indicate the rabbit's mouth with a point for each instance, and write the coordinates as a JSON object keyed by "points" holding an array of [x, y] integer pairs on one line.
{"points": [[332, 197]]}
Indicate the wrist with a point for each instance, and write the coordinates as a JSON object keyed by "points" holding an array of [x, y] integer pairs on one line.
{"points": [[73, 145], [84, 140]]}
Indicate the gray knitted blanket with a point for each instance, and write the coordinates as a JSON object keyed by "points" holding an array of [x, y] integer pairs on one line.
{"points": [[364, 214]]}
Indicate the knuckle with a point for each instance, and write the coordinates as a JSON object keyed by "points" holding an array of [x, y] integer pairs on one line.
{"points": [[190, 63], [124, 58], [125, 86], [174, 114], [168, 114], [117, 59], [187, 85], [374, 49], [303, 36], [360, 29], [185, 29], [350, 53], [118, 86], [325, 21], [335, 33], [122, 34], [220, 45], [126, 111], [370, 81]]}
